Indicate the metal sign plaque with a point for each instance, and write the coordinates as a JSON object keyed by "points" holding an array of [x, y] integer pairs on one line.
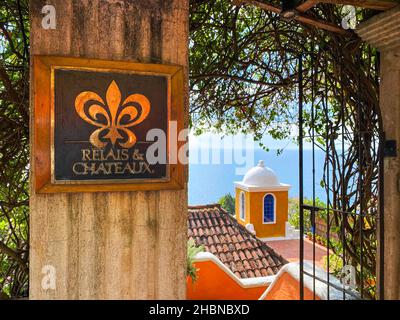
{"points": [[100, 125], [97, 116]]}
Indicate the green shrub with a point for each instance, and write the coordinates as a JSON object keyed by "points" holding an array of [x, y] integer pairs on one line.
{"points": [[294, 214], [228, 203], [192, 250]]}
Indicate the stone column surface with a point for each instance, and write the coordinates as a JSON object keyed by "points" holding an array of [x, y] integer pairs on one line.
{"points": [[383, 32], [116, 245]]}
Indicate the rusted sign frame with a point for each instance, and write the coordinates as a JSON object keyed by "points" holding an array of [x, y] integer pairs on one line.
{"points": [[43, 124]]}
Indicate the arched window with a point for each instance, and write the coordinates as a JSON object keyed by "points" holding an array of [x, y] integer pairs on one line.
{"points": [[242, 205], [269, 209]]}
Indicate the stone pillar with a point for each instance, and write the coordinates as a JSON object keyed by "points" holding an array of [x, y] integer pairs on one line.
{"points": [[116, 245], [383, 32]]}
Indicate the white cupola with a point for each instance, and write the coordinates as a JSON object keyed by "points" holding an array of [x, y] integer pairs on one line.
{"points": [[261, 178], [262, 203]]}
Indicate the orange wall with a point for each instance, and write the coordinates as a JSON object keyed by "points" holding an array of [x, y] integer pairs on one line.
{"points": [[254, 213], [288, 288], [215, 284]]}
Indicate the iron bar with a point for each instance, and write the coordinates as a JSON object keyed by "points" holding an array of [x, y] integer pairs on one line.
{"points": [[354, 295], [381, 220], [338, 134], [313, 164], [360, 185], [331, 209], [327, 141], [381, 198], [343, 191], [301, 212]]}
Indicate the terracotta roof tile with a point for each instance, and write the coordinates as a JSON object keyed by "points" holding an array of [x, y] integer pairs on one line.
{"points": [[250, 274], [249, 244], [215, 238], [270, 271], [213, 250], [242, 255], [239, 266], [259, 252], [248, 254], [238, 249], [264, 262], [253, 264], [235, 256], [246, 265], [264, 272], [271, 261], [222, 257]]}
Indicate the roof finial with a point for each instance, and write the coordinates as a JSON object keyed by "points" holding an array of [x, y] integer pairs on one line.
{"points": [[261, 163]]}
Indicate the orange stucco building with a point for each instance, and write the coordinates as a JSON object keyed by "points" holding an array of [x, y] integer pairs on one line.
{"points": [[262, 202]]}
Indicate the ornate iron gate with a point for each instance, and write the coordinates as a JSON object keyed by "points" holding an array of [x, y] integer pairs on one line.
{"points": [[347, 135]]}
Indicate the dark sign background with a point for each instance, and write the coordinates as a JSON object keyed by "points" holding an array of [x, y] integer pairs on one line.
{"points": [[71, 132]]}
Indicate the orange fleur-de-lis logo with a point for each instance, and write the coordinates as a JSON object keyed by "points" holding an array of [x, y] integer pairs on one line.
{"points": [[119, 117]]}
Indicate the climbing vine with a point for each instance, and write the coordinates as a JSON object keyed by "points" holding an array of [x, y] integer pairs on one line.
{"points": [[244, 78]]}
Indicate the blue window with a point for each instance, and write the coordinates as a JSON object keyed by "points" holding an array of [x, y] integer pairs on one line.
{"points": [[269, 209]]}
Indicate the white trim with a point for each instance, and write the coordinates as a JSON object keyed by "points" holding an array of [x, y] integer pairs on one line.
{"points": [[321, 288], [249, 188], [242, 206], [273, 196], [274, 238], [244, 283]]}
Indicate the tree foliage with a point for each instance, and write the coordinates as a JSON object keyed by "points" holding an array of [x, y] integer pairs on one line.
{"points": [[14, 148], [228, 203], [243, 65]]}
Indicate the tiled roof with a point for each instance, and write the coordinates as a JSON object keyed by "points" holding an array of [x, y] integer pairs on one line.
{"points": [[220, 234]]}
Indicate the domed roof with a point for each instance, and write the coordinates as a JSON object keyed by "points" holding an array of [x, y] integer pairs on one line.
{"points": [[261, 176]]}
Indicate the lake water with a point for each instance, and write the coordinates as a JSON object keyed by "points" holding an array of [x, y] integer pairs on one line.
{"points": [[209, 182]]}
